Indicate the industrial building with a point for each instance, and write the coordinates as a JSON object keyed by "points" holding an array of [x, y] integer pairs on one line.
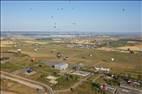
{"points": [[61, 66]]}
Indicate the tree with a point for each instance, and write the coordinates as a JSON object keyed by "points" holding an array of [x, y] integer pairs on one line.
{"points": [[96, 86], [71, 89], [139, 77], [55, 73]]}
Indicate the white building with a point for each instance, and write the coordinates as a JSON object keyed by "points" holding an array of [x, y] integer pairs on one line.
{"points": [[102, 69], [112, 59], [19, 50], [52, 79], [81, 73], [61, 66]]}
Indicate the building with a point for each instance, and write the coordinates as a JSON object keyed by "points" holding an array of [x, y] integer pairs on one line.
{"points": [[29, 71], [61, 66], [102, 69], [81, 73], [52, 79]]}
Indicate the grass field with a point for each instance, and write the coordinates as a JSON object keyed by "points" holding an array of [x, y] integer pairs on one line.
{"points": [[123, 63]]}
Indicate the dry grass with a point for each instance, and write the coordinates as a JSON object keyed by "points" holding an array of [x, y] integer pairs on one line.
{"points": [[10, 87], [34, 42], [7, 92], [6, 43], [137, 47]]}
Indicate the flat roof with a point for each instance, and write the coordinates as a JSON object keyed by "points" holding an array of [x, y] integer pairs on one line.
{"points": [[53, 62]]}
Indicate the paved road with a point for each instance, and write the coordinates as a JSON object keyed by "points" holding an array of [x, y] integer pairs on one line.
{"points": [[126, 90], [76, 84], [130, 88], [30, 83]]}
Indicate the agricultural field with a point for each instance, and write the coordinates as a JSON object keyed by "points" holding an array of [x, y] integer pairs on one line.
{"points": [[124, 63]]}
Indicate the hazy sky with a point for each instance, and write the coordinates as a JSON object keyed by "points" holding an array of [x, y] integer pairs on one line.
{"points": [[97, 16]]}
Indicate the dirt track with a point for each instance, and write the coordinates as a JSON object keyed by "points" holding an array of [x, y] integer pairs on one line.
{"points": [[27, 82], [7, 92]]}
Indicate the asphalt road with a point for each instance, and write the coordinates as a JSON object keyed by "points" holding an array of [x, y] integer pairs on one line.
{"points": [[127, 90]]}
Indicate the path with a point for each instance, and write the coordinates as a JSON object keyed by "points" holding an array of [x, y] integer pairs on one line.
{"points": [[30, 83]]}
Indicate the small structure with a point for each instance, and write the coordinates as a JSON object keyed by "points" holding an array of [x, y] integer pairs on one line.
{"points": [[52, 79], [35, 50], [19, 50], [102, 69], [29, 71], [81, 73], [112, 59], [53, 82], [61, 66], [90, 55], [59, 55]]}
